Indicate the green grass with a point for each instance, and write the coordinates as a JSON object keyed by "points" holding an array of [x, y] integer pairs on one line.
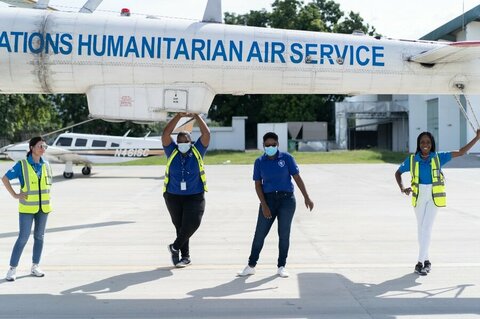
{"points": [[334, 157]]}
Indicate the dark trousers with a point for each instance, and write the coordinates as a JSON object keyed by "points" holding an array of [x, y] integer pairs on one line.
{"points": [[186, 212], [282, 206]]}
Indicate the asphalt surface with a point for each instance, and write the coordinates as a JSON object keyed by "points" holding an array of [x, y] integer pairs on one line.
{"points": [[105, 253]]}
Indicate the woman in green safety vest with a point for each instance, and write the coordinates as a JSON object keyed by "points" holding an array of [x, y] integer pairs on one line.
{"points": [[185, 184], [35, 178], [427, 189]]}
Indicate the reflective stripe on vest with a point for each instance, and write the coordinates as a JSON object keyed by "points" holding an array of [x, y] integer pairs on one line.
{"points": [[438, 183], [36, 189], [198, 156]]}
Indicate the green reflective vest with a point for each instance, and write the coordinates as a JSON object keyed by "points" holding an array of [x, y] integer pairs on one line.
{"points": [[438, 182], [37, 189], [198, 156]]}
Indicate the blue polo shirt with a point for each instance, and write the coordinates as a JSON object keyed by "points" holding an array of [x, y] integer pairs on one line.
{"points": [[185, 168], [16, 170], [425, 166], [275, 173]]}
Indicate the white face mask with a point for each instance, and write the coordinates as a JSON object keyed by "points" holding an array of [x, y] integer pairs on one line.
{"points": [[184, 147]]}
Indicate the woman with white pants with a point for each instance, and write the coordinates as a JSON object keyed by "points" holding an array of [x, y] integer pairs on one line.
{"points": [[427, 188]]}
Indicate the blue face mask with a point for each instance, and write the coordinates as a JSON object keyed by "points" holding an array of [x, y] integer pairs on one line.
{"points": [[184, 147], [271, 150]]}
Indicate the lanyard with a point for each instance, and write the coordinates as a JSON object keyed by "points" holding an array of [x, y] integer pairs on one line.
{"points": [[183, 161]]}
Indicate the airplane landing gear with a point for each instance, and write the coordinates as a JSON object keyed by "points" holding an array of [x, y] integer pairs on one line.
{"points": [[68, 175], [86, 170], [68, 172]]}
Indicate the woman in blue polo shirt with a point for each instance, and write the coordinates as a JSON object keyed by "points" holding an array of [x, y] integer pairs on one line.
{"points": [[35, 179], [184, 184], [272, 174], [427, 188]]}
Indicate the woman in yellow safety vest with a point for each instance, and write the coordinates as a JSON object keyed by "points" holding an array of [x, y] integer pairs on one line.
{"points": [[185, 184], [427, 189], [35, 178]]}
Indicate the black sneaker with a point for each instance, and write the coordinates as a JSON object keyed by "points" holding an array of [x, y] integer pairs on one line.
{"points": [[184, 262], [174, 253], [427, 265], [420, 270]]}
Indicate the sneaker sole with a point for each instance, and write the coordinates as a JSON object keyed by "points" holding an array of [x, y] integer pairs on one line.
{"points": [[38, 275], [420, 273], [239, 274], [9, 279], [171, 256]]}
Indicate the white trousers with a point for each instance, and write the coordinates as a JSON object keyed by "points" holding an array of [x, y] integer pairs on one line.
{"points": [[425, 211]]}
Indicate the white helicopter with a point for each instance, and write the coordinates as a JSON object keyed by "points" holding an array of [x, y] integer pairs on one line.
{"points": [[140, 68]]}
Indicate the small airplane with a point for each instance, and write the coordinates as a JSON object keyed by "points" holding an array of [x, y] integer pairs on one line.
{"points": [[89, 149], [139, 68]]}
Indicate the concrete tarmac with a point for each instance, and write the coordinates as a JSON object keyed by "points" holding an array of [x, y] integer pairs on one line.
{"points": [[106, 256]]}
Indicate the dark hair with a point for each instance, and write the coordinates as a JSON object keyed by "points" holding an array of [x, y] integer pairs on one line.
{"points": [[186, 134], [431, 139], [270, 135], [32, 143]]}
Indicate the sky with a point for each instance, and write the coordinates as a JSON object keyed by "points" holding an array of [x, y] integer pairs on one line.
{"points": [[400, 19]]}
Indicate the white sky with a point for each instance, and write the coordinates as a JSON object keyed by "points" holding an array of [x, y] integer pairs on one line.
{"points": [[402, 19]]}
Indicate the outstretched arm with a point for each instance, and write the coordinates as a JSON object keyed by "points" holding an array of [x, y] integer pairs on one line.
{"points": [[467, 147], [204, 130]]}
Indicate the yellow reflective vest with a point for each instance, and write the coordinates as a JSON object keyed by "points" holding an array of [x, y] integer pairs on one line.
{"points": [[37, 189], [438, 182], [198, 156]]}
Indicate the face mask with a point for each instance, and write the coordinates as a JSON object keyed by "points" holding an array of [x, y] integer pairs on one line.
{"points": [[184, 147], [271, 150]]}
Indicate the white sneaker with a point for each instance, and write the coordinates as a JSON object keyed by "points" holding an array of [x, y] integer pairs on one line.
{"points": [[36, 271], [246, 272], [282, 272], [11, 274]]}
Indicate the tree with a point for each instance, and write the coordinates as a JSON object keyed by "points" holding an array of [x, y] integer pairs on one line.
{"points": [[26, 115]]}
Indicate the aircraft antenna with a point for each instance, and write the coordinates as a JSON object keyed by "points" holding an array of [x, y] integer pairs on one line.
{"points": [[67, 127]]}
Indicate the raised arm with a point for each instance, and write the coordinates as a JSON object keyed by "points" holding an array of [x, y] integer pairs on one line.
{"points": [[204, 130], [167, 131], [467, 147]]}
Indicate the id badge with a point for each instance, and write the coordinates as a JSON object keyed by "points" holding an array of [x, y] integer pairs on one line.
{"points": [[183, 186]]}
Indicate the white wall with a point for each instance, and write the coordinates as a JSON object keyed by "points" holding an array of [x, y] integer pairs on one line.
{"points": [[448, 121], [417, 119], [399, 136], [281, 129], [226, 138]]}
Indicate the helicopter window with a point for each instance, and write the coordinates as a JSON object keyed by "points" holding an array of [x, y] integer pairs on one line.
{"points": [[114, 145]]}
